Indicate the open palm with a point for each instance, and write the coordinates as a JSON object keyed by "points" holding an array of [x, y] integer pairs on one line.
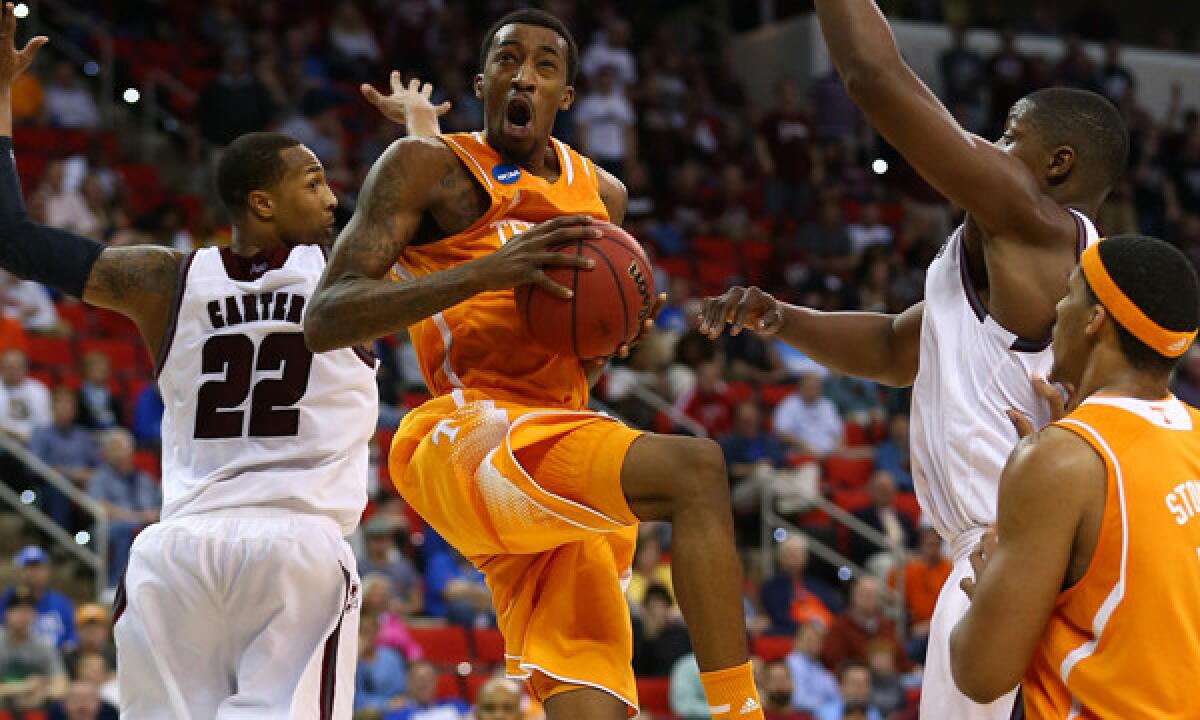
{"points": [[13, 62]]}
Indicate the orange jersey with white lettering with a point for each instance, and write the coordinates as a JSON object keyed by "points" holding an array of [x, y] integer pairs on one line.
{"points": [[481, 343], [1124, 641]]}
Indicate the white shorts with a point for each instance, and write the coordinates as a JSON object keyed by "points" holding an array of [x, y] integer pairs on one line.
{"points": [[940, 697], [243, 614]]}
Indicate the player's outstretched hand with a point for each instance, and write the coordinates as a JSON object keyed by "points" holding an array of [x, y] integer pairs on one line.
{"points": [[13, 62], [1055, 396], [980, 557], [409, 105], [741, 308], [520, 260]]}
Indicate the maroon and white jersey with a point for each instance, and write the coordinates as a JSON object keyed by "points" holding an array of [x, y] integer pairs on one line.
{"points": [[252, 418]]}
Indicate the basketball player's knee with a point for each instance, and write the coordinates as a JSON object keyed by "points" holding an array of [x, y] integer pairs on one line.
{"points": [[703, 466]]}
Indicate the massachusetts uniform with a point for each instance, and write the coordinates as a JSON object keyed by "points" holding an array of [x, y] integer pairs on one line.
{"points": [[241, 602], [507, 463], [1123, 641], [971, 371]]}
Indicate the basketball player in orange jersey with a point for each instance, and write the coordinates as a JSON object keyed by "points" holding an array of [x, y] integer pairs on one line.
{"points": [[505, 461], [969, 348], [1088, 593]]}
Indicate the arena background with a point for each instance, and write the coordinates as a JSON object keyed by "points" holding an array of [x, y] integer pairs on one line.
{"points": [[745, 163]]}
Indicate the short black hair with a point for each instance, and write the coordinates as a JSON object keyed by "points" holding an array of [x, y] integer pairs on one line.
{"points": [[541, 18], [1159, 280], [251, 162], [659, 591], [1087, 122]]}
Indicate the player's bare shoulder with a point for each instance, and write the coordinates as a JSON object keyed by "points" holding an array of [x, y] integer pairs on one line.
{"points": [[613, 194]]}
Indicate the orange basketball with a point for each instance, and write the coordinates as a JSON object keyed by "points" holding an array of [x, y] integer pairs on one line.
{"points": [[611, 300]]}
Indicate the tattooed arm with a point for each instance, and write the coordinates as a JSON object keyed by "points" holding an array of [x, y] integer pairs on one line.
{"points": [[356, 302], [139, 282]]}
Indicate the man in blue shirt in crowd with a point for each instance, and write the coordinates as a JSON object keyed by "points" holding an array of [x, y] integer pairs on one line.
{"points": [[55, 614], [422, 703], [69, 448]]}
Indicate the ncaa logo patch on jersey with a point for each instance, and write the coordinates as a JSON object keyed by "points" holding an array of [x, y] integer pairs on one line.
{"points": [[506, 174]]}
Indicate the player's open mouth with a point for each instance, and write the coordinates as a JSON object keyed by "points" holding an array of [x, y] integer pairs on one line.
{"points": [[518, 117]]}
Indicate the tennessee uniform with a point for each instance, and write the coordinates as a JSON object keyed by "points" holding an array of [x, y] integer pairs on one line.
{"points": [[1123, 641], [242, 602], [506, 462]]}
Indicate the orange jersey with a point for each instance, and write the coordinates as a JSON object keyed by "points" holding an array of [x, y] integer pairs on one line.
{"points": [[1124, 641], [481, 343]]}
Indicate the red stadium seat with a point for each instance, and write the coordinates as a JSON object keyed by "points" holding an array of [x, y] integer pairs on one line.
{"points": [[122, 354], [906, 503], [848, 473], [47, 377], [739, 390], [856, 436], [771, 647], [772, 394], [448, 686], [714, 248], [474, 682], [675, 266], [115, 325], [50, 352], [851, 500], [75, 314], [148, 462], [756, 250], [444, 645], [489, 645], [654, 694]]}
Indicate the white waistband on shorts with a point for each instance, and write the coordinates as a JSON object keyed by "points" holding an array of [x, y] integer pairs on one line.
{"points": [[962, 544], [264, 514]]}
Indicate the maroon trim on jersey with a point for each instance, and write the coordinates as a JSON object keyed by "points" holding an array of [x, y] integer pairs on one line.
{"points": [[169, 338], [1080, 236], [329, 657], [969, 287], [368, 358], [120, 600], [249, 269]]}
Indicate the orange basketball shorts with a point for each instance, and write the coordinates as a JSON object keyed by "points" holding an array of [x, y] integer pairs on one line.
{"points": [[532, 497]]}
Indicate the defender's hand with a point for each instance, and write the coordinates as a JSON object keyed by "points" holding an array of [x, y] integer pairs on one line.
{"points": [[980, 556], [13, 62], [520, 260], [740, 307], [1054, 395]]}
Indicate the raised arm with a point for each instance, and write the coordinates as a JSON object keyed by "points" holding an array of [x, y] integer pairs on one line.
{"points": [[996, 189], [138, 282], [356, 302], [1052, 481], [874, 346]]}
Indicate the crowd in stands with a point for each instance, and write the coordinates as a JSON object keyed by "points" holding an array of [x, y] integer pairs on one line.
{"points": [[720, 192]]}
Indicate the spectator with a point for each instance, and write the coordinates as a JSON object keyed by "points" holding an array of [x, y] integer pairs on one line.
{"points": [[854, 684], [824, 241], [379, 601], [808, 421], [318, 126], [95, 636], [147, 418], [892, 454], [648, 569], [791, 597], [813, 685], [93, 668], [887, 687], [55, 621], [962, 72], [69, 104], [68, 448], [870, 230], [1116, 81], [610, 49], [66, 208], [379, 676], [686, 693], [1076, 69], [1186, 386], [924, 576], [235, 102], [99, 408], [498, 699], [862, 622], [856, 400], [421, 701], [748, 447], [1007, 80], [754, 359], [606, 126], [24, 401], [710, 402], [12, 337], [82, 702], [454, 589], [883, 517], [130, 497], [786, 154], [776, 693], [31, 670], [355, 50], [30, 304], [382, 556], [659, 637], [838, 119]]}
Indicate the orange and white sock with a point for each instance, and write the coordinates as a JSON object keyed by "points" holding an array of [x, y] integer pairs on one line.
{"points": [[731, 693]]}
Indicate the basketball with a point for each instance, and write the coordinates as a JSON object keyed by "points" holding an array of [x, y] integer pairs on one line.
{"points": [[610, 303]]}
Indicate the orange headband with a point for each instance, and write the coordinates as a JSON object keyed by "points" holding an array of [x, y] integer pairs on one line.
{"points": [[1168, 343]]}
